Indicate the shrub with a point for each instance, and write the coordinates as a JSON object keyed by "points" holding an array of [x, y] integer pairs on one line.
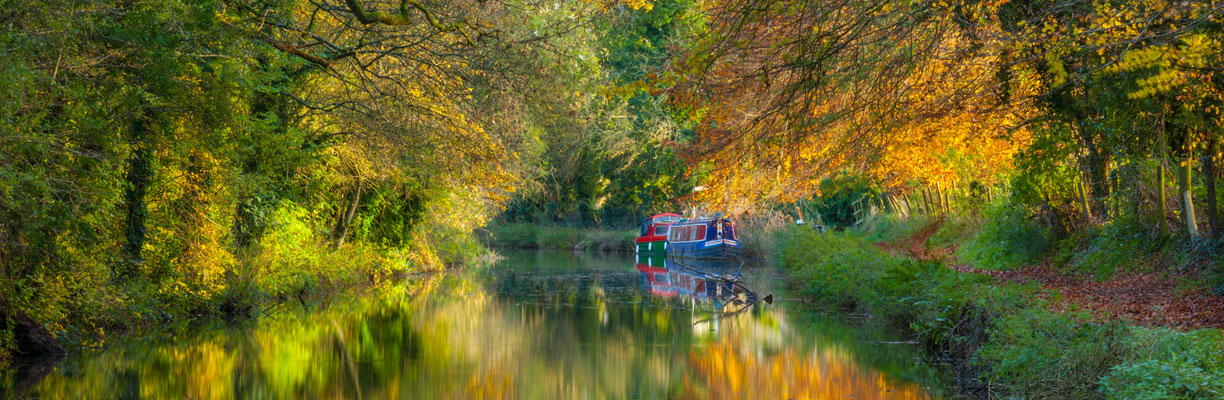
{"points": [[1009, 239], [1115, 246], [836, 269], [1038, 354], [1169, 365]]}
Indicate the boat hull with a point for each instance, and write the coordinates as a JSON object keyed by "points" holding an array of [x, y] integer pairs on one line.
{"points": [[716, 249], [653, 247]]}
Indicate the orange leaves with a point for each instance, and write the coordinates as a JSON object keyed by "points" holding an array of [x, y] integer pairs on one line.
{"points": [[802, 96]]}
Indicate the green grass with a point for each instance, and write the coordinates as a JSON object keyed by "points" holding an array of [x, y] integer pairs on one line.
{"points": [[531, 236], [889, 227], [1002, 338]]}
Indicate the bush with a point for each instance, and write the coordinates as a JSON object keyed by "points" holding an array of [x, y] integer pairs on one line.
{"points": [[292, 260], [1169, 365], [836, 269], [1010, 238], [1118, 245], [1039, 354]]}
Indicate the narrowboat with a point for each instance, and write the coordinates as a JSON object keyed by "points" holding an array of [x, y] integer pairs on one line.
{"points": [[653, 237], [703, 238]]}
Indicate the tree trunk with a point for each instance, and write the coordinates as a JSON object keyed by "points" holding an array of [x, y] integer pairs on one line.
{"points": [[1209, 172], [139, 174], [1085, 204], [342, 229], [1096, 162], [1183, 183]]}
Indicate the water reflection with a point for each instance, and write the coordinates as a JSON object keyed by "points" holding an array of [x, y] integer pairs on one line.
{"points": [[537, 326], [701, 280]]}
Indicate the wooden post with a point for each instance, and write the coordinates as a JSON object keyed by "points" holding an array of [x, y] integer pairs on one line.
{"points": [[1209, 175], [1164, 205], [937, 195], [947, 202], [1183, 183], [926, 201], [1115, 203]]}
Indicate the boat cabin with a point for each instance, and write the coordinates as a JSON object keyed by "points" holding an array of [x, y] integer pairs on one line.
{"points": [[703, 238], [653, 235]]}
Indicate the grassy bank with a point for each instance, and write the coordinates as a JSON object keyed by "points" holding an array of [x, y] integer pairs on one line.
{"points": [[553, 237], [294, 262], [1001, 338]]}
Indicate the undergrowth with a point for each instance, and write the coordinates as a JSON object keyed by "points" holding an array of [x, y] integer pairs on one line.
{"points": [[1001, 338], [1008, 239]]}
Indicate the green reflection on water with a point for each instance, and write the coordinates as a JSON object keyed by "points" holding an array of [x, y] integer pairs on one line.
{"points": [[535, 326]]}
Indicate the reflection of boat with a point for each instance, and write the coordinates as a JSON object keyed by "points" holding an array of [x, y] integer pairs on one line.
{"points": [[703, 238], [702, 280], [653, 237]]}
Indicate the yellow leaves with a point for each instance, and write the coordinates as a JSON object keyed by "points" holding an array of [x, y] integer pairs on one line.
{"points": [[1171, 68], [645, 5], [1057, 72]]}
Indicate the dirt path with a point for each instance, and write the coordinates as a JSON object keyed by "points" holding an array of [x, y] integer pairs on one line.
{"points": [[1149, 299]]}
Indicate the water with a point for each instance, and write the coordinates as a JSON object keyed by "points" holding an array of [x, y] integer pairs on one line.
{"points": [[535, 326]]}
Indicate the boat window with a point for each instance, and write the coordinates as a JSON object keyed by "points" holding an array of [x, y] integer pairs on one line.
{"points": [[661, 230], [701, 233], [666, 219]]}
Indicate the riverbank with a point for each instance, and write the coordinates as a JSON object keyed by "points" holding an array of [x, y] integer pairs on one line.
{"points": [[554, 237], [1002, 337], [288, 267]]}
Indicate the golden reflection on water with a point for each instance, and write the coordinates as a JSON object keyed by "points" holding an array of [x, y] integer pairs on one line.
{"points": [[491, 336]]}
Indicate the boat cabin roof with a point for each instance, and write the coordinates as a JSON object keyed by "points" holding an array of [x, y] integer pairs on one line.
{"points": [[665, 218]]}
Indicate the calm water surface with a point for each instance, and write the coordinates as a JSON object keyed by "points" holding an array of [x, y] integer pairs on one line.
{"points": [[534, 326]]}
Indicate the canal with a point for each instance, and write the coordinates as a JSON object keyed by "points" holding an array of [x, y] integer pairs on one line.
{"points": [[536, 325]]}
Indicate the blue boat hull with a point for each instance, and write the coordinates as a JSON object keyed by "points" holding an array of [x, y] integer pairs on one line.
{"points": [[716, 249]]}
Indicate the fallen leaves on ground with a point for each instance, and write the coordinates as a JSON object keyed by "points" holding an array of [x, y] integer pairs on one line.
{"points": [[1148, 299]]}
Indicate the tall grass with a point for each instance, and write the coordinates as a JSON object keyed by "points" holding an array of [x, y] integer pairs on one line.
{"points": [[757, 234], [531, 236]]}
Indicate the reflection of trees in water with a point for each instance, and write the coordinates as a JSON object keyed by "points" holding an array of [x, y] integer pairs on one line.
{"points": [[728, 370], [578, 335]]}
